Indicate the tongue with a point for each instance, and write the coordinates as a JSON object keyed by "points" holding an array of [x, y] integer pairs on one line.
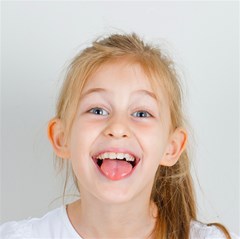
{"points": [[115, 169]]}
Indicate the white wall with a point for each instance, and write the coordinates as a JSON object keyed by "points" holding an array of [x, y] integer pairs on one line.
{"points": [[38, 38]]}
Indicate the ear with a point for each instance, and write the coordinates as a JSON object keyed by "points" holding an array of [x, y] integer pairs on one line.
{"points": [[175, 147], [56, 137]]}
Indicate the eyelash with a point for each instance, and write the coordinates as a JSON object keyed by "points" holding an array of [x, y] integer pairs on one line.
{"points": [[98, 108]]}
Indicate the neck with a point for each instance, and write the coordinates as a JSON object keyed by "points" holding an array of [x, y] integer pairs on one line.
{"points": [[96, 219]]}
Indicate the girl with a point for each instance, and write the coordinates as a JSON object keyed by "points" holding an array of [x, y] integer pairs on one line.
{"points": [[120, 127]]}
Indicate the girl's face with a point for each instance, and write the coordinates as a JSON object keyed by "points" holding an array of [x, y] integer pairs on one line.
{"points": [[118, 112]]}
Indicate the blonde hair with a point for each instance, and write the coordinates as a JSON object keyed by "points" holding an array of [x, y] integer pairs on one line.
{"points": [[172, 191]]}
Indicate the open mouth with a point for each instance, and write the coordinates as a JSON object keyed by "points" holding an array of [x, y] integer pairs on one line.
{"points": [[116, 168], [133, 163]]}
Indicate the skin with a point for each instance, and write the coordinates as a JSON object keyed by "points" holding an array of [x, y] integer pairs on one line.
{"points": [[108, 208]]}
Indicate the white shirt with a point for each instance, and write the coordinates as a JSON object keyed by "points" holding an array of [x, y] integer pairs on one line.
{"points": [[56, 225]]}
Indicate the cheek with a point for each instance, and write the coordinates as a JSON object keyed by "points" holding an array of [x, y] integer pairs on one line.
{"points": [[82, 137], [153, 141]]}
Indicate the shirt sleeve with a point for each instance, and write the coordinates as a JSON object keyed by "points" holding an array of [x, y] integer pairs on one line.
{"points": [[14, 230], [200, 230], [217, 233]]}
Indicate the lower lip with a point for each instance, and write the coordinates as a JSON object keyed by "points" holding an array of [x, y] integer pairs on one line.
{"points": [[119, 178]]}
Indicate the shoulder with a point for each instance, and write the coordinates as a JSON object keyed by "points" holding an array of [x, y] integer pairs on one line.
{"points": [[201, 230], [32, 227], [14, 230]]}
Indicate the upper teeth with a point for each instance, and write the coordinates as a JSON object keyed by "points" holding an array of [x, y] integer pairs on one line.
{"points": [[111, 155]]}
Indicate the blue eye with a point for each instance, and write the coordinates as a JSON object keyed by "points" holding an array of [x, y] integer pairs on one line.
{"points": [[98, 111], [143, 114]]}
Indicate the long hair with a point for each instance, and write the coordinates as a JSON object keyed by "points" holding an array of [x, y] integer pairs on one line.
{"points": [[172, 191]]}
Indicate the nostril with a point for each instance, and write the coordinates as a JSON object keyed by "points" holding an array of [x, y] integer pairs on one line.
{"points": [[117, 131], [124, 136]]}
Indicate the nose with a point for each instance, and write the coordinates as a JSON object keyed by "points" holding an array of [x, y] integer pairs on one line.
{"points": [[117, 128]]}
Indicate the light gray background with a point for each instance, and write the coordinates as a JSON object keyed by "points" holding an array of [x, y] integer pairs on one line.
{"points": [[38, 40]]}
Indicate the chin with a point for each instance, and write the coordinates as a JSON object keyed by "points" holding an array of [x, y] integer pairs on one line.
{"points": [[116, 195]]}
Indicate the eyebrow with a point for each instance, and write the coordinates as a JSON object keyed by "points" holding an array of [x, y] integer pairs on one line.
{"points": [[93, 90]]}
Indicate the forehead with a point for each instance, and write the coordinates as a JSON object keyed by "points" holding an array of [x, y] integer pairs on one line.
{"points": [[122, 74], [119, 71]]}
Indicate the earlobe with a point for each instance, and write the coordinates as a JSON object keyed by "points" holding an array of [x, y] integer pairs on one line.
{"points": [[177, 144], [57, 138]]}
